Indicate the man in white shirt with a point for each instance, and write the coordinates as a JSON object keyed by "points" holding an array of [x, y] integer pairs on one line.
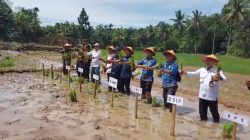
{"points": [[95, 62], [209, 87]]}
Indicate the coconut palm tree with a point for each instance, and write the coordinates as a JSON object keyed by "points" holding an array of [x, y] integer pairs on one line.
{"points": [[196, 26], [179, 24], [234, 16], [216, 20]]}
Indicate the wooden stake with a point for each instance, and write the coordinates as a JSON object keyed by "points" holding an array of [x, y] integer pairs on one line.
{"points": [[136, 105], [112, 99], [52, 72], [173, 121], [80, 82], [95, 89], [69, 77], [60, 76], [43, 70], [234, 131]]}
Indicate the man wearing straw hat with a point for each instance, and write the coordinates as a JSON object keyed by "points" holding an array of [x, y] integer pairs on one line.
{"points": [[209, 87], [170, 76], [66, 57], [147, 76]]}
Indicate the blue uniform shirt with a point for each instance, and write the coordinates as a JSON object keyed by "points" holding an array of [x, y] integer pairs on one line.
{"points": [[126, 68], [116, 68], [147, 75], [169, 80]]}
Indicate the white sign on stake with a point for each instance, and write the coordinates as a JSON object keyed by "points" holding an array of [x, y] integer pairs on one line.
{"points": [[113, 82], [175, 100], [80, 70], [96, 77], [136, 89], [236, 118], [68, 67]]}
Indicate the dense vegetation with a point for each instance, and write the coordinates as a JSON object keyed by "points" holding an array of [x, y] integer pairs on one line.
{"points": [[227, 32]]}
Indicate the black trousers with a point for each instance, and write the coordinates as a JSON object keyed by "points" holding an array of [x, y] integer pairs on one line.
{"points": [[168, 91], [146, 86], [125, 85], [212, 105]]}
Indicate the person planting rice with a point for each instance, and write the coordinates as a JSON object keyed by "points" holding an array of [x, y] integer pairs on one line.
{"points": [[209, 87], [95, 62], [66, 57], [108, 62], [170, 76], [127, 68], [83, 61], [147, 76]]}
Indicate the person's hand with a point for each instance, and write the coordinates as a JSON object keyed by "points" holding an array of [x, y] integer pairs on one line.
{"points": [[182, 72], [216, 77]]}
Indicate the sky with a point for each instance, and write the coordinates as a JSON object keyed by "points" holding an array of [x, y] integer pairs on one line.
{"points": [[126, 13]]}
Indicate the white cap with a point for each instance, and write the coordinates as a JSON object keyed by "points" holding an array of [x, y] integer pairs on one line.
{"points": [[97, 45]]}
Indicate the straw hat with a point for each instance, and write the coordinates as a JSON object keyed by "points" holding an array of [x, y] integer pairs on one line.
{"points": [[150, 49], [67, 45], [210, 57], [170, 52], [129, 49], [111, 48]]}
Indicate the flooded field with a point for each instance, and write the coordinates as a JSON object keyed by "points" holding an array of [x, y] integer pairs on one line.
{"points": [[37, 108], [33, 108]]}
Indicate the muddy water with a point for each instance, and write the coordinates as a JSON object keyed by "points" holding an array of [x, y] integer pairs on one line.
{"points": [[33, 108]]}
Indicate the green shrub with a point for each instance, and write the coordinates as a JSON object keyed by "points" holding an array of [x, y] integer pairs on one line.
{"points": [[72, 96], [227, 130], [7, 62], [155, 102]]}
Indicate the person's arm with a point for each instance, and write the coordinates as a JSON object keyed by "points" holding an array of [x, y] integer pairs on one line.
{"points": [[89, 53], [152, 64], [219, 77], [172, 71], [140, 64], [193, 73]]}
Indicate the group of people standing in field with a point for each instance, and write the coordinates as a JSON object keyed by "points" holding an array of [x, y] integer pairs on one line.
{"points": [[121, 65]]}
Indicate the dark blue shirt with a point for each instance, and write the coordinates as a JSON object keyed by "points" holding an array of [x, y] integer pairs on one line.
{"points": [[147, 75], [116, 68], [126, 68], [169, 80]]}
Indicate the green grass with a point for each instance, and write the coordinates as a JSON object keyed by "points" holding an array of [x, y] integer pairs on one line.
{"points": [[7, 62], [229, 63]]}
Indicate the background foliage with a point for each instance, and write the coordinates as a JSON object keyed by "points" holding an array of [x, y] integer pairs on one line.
{"points": [[227, 32]]}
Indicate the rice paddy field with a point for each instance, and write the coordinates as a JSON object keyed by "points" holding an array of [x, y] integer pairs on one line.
{"points": [[229, 63]]}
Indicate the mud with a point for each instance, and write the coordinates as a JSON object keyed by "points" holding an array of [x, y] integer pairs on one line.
{"points": [[35, 108]]}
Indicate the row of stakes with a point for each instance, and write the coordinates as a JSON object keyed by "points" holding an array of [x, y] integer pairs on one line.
{"points": [[137, 91]]}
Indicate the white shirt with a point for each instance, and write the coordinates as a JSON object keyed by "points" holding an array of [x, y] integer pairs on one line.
{"points": [[109, 65], [206, 92], [96, 55]]}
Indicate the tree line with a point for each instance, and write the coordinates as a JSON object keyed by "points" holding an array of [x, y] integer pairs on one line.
{"points": [[227, 32]]}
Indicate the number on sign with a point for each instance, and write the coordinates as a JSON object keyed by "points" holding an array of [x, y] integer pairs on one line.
{"points": [[80, 70], [175, 100], [136, 89], [96, 77], [113, 82], [68, 67], [236, 118]]}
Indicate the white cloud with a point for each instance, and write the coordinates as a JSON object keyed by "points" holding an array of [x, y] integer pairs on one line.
{"points": [[118, 12]]}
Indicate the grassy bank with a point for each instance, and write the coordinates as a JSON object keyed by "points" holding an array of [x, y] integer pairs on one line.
{"points": [[229, 63]]}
